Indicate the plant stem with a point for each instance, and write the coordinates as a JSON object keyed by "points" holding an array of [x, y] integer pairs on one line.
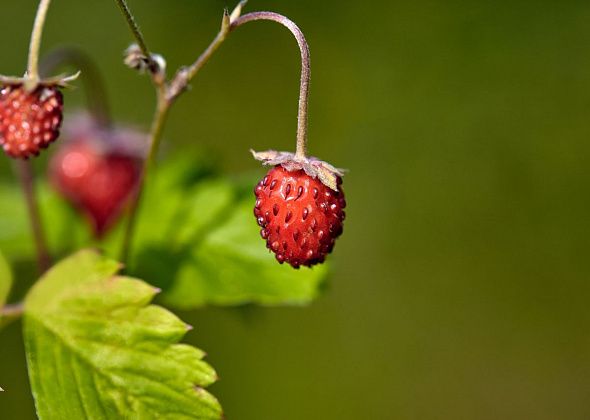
{"points": [[134, 27], [33, 63], [206, 55], [162, 108], [192, 70], [305, 70], [12, 310], [168, 92], [94, 85], [25, 172]]}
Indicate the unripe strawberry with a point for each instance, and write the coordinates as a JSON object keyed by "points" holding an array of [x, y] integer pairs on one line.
{"points": [[29, 120], [299, 215], [97, 172]]}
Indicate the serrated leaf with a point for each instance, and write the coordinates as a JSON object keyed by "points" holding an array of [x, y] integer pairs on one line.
{"points": [[97, 349]]}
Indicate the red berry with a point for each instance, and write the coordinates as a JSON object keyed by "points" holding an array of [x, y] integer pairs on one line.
{"points": [[97, 181], [29, 121], [300, 217]]}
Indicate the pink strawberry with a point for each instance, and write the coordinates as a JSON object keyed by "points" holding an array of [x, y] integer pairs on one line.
{"points": [[96, 172]]}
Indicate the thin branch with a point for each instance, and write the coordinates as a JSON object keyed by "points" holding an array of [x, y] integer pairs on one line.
{"points": [[162, 108], [25, 173], [134, 27]]}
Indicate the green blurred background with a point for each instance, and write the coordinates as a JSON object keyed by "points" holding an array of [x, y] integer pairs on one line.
{"points": [[460, 287]]}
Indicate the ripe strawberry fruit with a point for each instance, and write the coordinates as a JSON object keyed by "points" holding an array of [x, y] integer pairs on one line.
{"points": [[299, 215], [96, 179], [29, 121]]}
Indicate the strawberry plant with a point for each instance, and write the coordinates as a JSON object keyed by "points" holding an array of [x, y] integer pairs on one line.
{"points": [[107, 213]]}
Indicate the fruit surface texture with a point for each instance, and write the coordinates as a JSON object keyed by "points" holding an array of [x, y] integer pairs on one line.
{"points": [[300, 217], [29, 121]]}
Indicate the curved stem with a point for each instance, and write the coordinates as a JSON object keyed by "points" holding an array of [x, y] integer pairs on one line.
{"points": [[162, 108], [305, 70], [25, 172], [34, 46], [95, 90], [167, 93], [134, 27], [184, 77]]}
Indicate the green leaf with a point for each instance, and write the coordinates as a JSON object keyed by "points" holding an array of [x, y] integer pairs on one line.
{"points": [[220, 259], [97, 349], [232, 266], [196, 238], [5, 280], [14, 229], [64, 229]]}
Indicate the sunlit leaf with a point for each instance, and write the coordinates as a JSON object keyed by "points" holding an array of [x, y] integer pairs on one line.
{"points": [[97, 349]]}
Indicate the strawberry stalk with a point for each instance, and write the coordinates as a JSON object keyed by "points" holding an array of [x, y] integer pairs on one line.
{"points": [[301, 150], [35, 45], [234, 21], [160, 115], [94, 87], [24, 168], [25, 172]]}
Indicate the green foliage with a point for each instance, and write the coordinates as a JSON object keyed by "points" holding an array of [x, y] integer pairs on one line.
{"points": [[196, 238], [15, 237], [230, 265], [211, 242], [5, 280], [65, 231], [97, 349]]}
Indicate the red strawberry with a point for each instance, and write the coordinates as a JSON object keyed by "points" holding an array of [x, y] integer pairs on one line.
{"points": [[299, 215], [29, 121], [96, 177]]}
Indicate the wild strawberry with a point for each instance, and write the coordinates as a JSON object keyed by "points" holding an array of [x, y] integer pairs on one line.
{"points": [[299, 215], [29, 120], [97, 171]]}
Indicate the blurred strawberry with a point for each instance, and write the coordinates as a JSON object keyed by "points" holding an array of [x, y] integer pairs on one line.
{"points": [[98, 169]]}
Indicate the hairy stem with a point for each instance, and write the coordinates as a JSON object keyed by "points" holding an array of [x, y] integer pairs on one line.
{"points": [[25, 172], [183, 78], [305, 70], [208, 53], [94, 86], [162, 108], [35, 45], [134, 27]]}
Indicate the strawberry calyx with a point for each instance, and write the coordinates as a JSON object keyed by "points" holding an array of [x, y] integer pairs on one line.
{"points": [[315, 168], [32, 83]]}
